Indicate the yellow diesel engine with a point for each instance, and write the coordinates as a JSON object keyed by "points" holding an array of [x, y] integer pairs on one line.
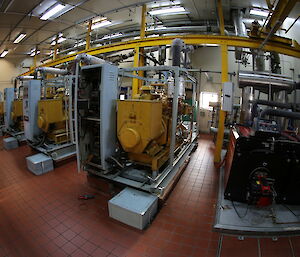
{"points": [[52, 119], [17, 114], [144, 128]]}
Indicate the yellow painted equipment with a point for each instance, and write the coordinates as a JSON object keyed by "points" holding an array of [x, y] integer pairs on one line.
{"points": [[52, 119], [17, 109], [17, 114], [142, 131], [144, 126], [1, 108]]}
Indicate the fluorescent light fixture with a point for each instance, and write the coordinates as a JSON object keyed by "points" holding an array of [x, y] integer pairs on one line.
{"points": [[210, 44], [52, 11], [5, 52], [164, 3], [82, 43], [156, 28], [170, 10], [61, 39], [101, 24], [32, 52], [53, 43], [19, 38], [259, 13], [112, 36]]}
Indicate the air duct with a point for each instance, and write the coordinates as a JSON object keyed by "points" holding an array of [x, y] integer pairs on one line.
{"points": [[51, 70], [177, 46]]}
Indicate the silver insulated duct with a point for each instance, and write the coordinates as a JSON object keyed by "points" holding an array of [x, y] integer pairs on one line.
{"points": [[51, 70], [89, 59], [240, 30]]}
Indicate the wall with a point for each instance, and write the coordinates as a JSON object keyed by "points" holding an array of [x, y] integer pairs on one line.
{"points": [[209, 58]]}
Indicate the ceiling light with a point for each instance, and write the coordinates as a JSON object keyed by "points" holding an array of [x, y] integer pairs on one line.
{"points": [[112, 36], [259, 13], [156, 28], [101, 24], [5, 52], [52, 11], [61, 39], [19, 38], [172, 10]]}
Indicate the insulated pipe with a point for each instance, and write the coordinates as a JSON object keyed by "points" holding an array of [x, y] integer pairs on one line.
{"points": [[280, 113], [177, 46], [51, 70], [89, 59]]}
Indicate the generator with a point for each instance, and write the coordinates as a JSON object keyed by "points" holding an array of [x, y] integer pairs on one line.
{"points": [[13, 113], [48, 128], [142, 142]]}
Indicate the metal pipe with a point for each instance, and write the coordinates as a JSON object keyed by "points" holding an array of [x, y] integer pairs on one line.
{"points": [[177, 46], [51, 70], [280, 113], [89, 59]]}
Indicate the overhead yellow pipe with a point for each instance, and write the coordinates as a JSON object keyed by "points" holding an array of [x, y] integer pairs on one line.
{"points": [[278, 47]]}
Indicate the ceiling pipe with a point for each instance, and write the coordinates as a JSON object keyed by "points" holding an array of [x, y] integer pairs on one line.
{"points": [[51, 70], [89, 59]]}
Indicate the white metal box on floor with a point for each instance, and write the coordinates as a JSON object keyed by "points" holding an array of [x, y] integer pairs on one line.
{"points": [[10, 143], [134, 208], [39, 164]]}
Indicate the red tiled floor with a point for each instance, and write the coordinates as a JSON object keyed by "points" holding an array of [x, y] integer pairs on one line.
{"points": [[41, 216]]}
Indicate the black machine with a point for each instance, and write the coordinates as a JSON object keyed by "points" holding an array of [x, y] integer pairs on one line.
{"points": [[263, 168], [263, 157]]}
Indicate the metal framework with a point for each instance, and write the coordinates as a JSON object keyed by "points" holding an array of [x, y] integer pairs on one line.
{"points": [[188, 39]]}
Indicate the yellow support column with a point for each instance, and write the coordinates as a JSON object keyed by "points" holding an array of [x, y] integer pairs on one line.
{"points": [[139, 59], [224, 63], [55, 49], [88, 36], [222, 115], [35, 57]]}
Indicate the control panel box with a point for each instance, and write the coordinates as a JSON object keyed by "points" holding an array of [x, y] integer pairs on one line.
{"points": [[227, 96]]}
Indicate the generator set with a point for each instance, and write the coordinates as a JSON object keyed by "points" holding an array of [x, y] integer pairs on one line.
{"points": [[52, 116], [47, 114], [263, 157], [144, 126], [142, 142], [13, 112]]}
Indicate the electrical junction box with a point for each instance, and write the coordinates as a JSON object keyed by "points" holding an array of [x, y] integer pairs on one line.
{"points": [[10, 143], [31, 97], [134, 208], [227, 96], [39, 163]]}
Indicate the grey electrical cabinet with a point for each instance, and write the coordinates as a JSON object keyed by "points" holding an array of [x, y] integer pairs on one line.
{"points": [[9, 95], [96, 114], [31, 97]]}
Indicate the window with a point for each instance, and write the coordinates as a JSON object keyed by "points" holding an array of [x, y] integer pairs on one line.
{"points": [[206, 98]]}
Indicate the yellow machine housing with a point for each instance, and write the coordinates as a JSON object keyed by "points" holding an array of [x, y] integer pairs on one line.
{"points": [[17, 113], [52, 119], [1, 108], [142, 131]]}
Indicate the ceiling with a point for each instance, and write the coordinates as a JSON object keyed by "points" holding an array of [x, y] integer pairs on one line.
{"points": [[17, 16]]}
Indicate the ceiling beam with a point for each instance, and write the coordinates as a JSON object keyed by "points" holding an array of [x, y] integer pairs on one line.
{"points": [[188, 39]]}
